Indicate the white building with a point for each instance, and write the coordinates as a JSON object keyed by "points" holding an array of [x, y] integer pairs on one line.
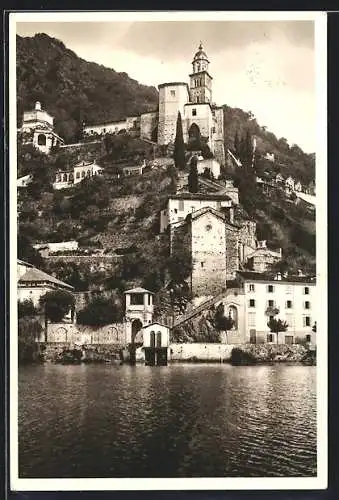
{"points": [[294, 298], [298, 186], [24, 181], [262, 257], [179, 206], [208, 164], [32, 283], [114, 127], [289, 185], [68, 178], [156, 335], [58, 247], [38, 129], [139, 310]]}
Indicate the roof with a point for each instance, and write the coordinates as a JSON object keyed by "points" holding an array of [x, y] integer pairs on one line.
{"points": [[172, 83], [216, 213], [138, 290], [34, 274], [269, 277], [24, 263], [155, 323], [200, 196], [200, 54]]}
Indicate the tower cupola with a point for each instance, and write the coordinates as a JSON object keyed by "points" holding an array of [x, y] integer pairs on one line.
{"points": [[200, 61], [200, 79]]}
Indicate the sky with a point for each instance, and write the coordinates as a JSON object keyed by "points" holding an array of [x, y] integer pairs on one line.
{"points": [[266, 67]]}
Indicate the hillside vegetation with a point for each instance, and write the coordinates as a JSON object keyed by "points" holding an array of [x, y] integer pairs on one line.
{"points": [[113, 211], [74, 90]]}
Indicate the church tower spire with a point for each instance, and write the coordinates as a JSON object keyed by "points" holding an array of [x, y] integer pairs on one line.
{"points": [[200, 79]]}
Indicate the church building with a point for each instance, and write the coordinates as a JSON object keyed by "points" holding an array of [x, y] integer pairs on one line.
{"points": [[195, 104]]}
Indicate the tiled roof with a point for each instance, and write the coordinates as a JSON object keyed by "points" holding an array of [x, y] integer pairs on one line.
{"points": [[34, 274], [217, 213], [139, 290], [253, 276], [200, 196]]}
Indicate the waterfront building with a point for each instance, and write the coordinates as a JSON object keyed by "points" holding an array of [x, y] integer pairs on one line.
{"points": [[139, 309], [34, 283], [291, 297]]}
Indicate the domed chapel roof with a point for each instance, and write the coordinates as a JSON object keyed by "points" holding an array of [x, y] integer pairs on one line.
{"points": [[201, 54]]}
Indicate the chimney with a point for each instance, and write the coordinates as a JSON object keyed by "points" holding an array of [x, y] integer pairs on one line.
{"points": [[37, 106]]}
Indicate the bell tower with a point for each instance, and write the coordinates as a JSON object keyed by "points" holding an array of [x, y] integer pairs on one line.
{"points": [[200, 79]]}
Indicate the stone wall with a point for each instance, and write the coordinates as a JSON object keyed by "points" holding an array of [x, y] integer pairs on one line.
{"points": [[148, 122], [232, 258], [247, 236], [200, 352], [208, 254], [79, 335]]}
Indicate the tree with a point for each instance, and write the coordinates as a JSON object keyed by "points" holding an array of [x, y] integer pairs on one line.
{"points": [[29, 330], [222, 322], [26, 308], [237, 144], [193, 176], [101, 311], [277, 326], [314, 327], [56, 304], [179, 146]]}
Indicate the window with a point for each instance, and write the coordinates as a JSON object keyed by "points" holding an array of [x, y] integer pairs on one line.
{"points": [[172, 93], [307, 321], [104, 130], [194, 112], [202, 264], [270, 288], [175, 210], [251, 287], [306, 290], [308, 338], [307, 305], [181, 205], [82, 174], [149, 299], [152, 339], [41, 140], [271, 303], [137, 299], [270, 337], [288, 289], [252, 303], [251, 319], [213, 130], [289, 304]]}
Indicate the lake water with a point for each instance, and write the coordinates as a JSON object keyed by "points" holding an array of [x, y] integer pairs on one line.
{"points": [[175, 421]]}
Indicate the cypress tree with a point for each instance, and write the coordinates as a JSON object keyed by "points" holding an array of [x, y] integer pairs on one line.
{"points": [[193, 176], [179, 146], [237, 144]]}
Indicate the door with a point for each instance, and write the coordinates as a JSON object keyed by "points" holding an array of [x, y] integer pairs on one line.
{"points": [[253, 336], [289, 339]]}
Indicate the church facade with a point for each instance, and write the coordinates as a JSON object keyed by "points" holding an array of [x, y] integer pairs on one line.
{"points": [[194, 102]]}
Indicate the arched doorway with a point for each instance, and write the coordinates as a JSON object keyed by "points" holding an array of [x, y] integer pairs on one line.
{"points": [[136, 327], [233, 314]]}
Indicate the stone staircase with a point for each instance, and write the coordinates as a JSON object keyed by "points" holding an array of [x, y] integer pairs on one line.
{"points": [[197, 310]]}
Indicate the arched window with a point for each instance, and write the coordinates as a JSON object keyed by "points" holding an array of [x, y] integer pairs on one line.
{"points": [[65, 178], [233, 313], [82, 174], [88, 173], [78, 175], [41, 140], [57, 178], [71, 176], [152, 339], [158, 339]]}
